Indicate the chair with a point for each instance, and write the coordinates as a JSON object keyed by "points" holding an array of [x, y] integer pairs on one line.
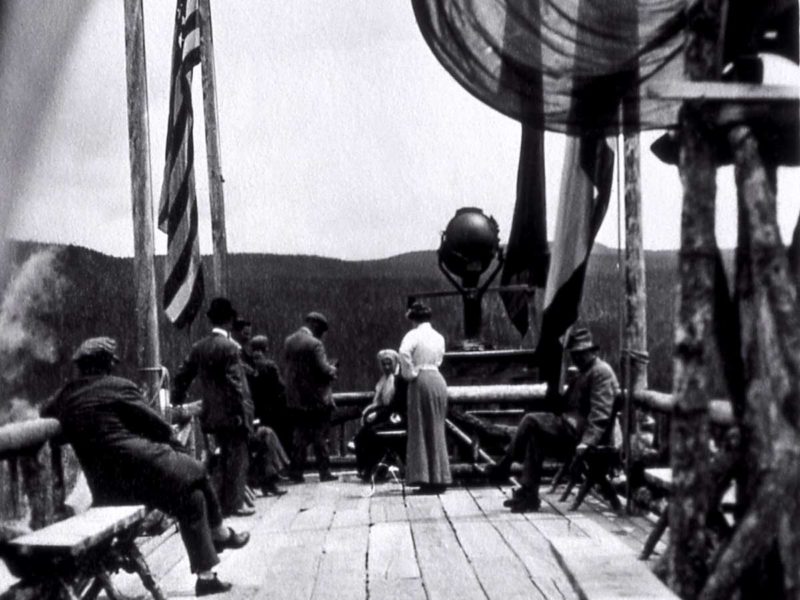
{"points": [[595, 466], [392, 462]]}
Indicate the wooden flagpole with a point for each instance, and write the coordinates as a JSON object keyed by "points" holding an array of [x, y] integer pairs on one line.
{"points": [[215, 180], [147, 339]]}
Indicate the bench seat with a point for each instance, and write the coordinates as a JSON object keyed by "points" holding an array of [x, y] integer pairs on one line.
{"points": [[73, 536], [81, 553]]}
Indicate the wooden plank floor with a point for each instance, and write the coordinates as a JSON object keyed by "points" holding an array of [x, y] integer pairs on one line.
{"points": [[335, 540]]}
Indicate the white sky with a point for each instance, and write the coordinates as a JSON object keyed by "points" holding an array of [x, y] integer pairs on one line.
{"points": [[341, 135]]}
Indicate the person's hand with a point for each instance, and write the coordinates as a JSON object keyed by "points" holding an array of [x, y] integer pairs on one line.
{"points": [[581, 449]]}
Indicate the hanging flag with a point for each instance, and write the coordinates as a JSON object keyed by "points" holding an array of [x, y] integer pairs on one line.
{"points": [[177, 214], [527, 255], [583, 200]]}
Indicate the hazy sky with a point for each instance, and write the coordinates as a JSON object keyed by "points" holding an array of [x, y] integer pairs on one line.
{"points": [[341, 135]]}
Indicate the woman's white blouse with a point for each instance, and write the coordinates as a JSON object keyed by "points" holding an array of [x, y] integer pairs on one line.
{"points": [[422, 348]]}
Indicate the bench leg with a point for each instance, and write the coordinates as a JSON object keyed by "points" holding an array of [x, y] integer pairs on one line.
{"points": [[65, 591], [91, 589], [655, 535], [609, 493], [582, 493], [139, 566]]}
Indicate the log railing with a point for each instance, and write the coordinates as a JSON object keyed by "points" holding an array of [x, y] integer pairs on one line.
{"points": [[32, 455]]}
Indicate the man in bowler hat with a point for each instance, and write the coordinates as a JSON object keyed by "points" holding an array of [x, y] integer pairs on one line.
{"points": [[587, 421], [308, 376], [227, 411]]}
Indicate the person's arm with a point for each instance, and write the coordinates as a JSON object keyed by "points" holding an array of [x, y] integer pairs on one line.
{"points": [[327, 368], [183, 379], [235, 385], [139, 417], [603, 390], [407, 368]]}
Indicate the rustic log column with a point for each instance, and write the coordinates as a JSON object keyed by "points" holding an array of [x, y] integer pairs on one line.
{"points": [[635, 279], [147, 340], [689, 456], [213, 154], [766, 535]]}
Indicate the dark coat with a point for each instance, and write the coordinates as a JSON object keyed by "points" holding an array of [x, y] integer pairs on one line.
{"points": [[227, 405], [269, 394], [125, 448], [307, 372], [590, 405]]}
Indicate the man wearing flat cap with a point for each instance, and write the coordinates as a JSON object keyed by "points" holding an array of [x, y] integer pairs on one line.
{"points": [[308, 375], [130, 456], [587, 421], [227, 411]]}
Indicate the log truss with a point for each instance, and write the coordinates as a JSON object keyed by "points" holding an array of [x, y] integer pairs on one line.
{"points": [[757, 331]]}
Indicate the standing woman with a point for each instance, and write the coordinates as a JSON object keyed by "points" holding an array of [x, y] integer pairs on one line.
{"points": [[421, 353]]}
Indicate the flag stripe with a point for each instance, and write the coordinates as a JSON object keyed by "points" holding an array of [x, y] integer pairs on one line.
{"points": [[177, 215]]}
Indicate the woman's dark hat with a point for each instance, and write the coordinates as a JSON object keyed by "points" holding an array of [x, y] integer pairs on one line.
{"points": [[418, 311], [221, 310], [96, 347], [581, 341]]}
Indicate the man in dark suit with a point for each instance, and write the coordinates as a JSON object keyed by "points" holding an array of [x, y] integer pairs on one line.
{"points": [[130, 456], [308, 376], [227, 411], [587, 421]]}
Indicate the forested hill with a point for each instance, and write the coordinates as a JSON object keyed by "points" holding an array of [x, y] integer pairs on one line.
{"points": [[56, 295]]}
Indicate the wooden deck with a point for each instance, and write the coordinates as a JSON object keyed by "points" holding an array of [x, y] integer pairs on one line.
{"points": [[334, 540]]}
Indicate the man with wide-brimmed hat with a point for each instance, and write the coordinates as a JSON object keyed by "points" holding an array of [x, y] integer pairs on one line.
{"points": [[227, 411], [130, 456], [587, 421], [308, 375]]}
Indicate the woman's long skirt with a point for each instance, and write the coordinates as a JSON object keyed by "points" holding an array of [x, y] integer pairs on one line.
{"points": [[426, 453]]}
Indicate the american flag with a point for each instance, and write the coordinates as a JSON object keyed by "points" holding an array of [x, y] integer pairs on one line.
{"points": [[177, 214]]}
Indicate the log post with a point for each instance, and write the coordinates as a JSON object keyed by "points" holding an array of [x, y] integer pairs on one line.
{"points": [[635, 335], [147, 340], [689, 457], [215, 180]]}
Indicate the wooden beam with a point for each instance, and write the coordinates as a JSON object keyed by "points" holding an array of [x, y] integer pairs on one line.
{"points": [[148, 352], [719, 90]]}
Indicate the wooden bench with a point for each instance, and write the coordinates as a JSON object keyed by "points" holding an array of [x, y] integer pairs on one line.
{"points": [[661, 479], [76, 557]]}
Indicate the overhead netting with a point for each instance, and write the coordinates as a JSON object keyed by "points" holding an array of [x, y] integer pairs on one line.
{"points": [[562, 65]]}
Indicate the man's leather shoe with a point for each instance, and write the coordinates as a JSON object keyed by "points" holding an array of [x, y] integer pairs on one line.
{"points": [[242, 511], [517, 495], [272, 490], [526, 505], [234, 541], [207, 587], [327, 477]]}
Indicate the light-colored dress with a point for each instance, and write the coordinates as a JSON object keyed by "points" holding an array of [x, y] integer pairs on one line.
{"points": [[421, 353]]}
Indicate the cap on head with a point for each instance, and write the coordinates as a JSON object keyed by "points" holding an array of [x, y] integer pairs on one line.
{"points": [[220, 311], [581, 341], [419, 311], [96, 348], [318, 319]]}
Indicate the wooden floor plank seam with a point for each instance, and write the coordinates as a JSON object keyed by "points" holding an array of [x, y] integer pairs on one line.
{"points": [[537, 585]]}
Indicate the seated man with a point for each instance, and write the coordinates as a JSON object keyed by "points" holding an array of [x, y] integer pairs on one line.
{"points": [[129, 456], [587, 422]]}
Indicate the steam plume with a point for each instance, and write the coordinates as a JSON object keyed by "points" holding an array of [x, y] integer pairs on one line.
{"points": [[27, 315]]}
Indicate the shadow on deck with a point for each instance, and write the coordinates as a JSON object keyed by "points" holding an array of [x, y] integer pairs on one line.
{"points": [[334, 540]]}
